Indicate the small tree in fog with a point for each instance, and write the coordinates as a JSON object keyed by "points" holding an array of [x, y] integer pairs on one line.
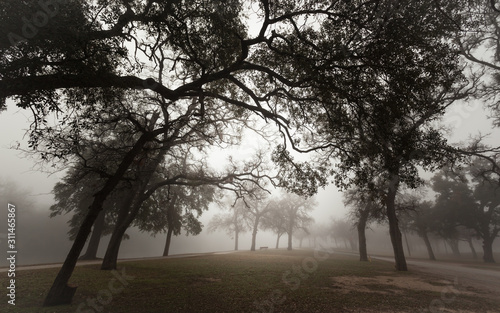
{"points": [[422, 222], [255, 208], [296, 211], [344, 230], [275, 221], [232, 222]]}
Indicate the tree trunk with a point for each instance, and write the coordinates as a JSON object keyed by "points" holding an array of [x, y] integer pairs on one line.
{"points": [[111, 257], [395, 233], [95, 238], [300, 242], [61, 292], [427, 242], [454, 247], [488, 250], [146, 172], [407, 244], [254, 232], [363, 253], [167, 242], [278, 241], [236, 233], [289, 240], [172, 217], [472, 249]]}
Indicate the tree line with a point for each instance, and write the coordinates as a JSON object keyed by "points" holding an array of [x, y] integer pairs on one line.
{"points": [[466, 207], [122, 92]]}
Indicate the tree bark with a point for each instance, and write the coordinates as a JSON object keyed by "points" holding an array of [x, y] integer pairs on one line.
{"points": [[427, 242], [363, 253], [395, 233], [95, 238], [488, 250], [167, 242], [61, 292]]}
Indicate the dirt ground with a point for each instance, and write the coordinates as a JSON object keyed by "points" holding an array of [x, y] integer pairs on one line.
{"points": [[402, 285]]}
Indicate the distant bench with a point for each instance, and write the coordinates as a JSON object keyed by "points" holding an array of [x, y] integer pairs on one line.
{"points": [[263, 248]]}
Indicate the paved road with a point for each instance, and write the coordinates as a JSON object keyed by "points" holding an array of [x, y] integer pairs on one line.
{"points": [[467, 276], [80, 263]]}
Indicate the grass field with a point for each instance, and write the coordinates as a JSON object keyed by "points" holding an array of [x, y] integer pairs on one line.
{"points": [[261, 281]]}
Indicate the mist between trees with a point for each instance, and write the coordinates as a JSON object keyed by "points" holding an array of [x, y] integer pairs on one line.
{"points": [[131, 98]]}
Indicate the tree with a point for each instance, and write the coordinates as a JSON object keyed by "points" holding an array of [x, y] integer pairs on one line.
{"points": [[195, 174], [384, 128], [275, 221], [198, 56], [74, 194], [364, 209], [233, 223], [172, 209], [479, 44], [255, 209], [184, 59], [342, 229], [422, 222], [470, 199], [484, 219], [295, 210]]}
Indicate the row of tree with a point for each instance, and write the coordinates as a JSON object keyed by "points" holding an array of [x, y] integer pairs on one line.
{"points": [[466, 207], [287, 215], [133, 85]]}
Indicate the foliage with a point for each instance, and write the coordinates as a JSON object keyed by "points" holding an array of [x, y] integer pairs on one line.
{"points": [[470, 198], [175, 207]]}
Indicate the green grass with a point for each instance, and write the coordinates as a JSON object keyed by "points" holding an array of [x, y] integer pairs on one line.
{"points": [[240, 282]]}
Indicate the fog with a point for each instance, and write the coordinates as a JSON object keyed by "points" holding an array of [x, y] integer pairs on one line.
{"points": [[41, 239]]}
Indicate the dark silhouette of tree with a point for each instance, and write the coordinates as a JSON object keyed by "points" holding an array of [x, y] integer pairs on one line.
{"points": [[74, 194], [365, 207], [173, 209], [187, 61], [384, 128], [195, 174], [470, 198]]}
